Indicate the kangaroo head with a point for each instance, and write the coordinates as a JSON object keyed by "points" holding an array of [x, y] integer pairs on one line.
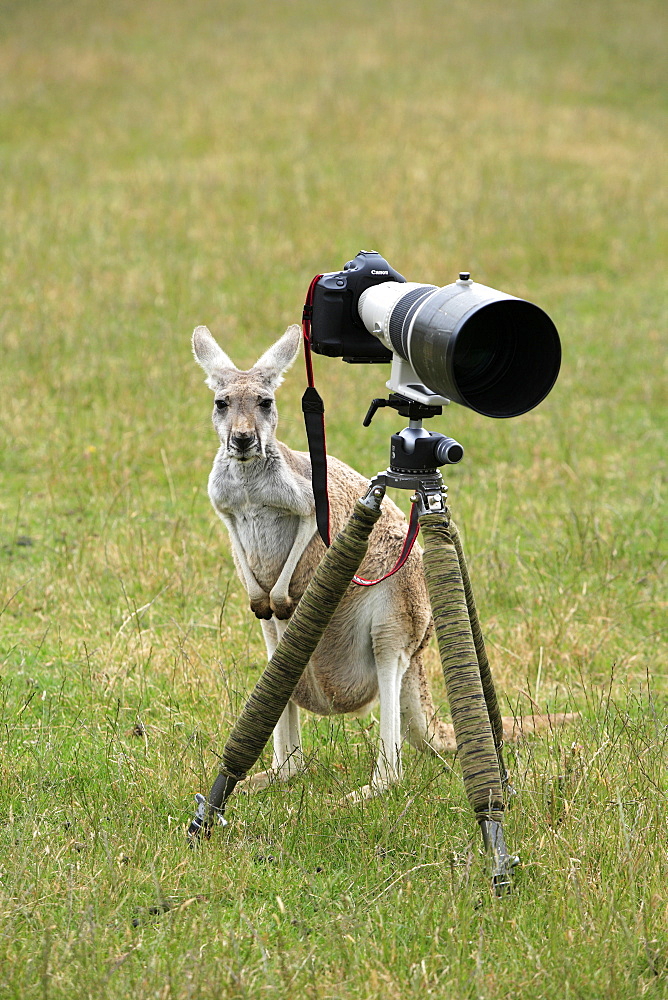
{"points": [[244, 411]]}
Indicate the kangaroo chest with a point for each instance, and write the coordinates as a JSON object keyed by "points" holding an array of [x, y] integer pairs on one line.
{"points": [[261, 504], [266, 535], [263, 530]]}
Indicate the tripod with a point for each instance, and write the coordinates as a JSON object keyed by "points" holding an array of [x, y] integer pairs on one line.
{"points": [[415, 456]]}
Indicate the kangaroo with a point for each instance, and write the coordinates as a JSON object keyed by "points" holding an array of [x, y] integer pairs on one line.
{"points": [[372, 649]]}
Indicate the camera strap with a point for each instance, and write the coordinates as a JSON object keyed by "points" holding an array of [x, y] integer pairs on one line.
{"points": [[313, 409]]}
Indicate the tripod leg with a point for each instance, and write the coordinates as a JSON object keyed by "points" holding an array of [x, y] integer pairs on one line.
{"points": [[470, 717], [288, 758], [279, 679], [489, 691]]}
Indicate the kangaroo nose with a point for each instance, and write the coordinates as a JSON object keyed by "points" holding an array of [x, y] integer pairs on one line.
{"points": [[243, 441]]}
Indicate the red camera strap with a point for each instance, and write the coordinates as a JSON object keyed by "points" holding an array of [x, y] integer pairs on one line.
{"points": [[313, 409], [409, 541]]}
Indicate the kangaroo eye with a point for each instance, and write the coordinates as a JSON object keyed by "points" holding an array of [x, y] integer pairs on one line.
{"points": [[221, 404], [265, 404]]}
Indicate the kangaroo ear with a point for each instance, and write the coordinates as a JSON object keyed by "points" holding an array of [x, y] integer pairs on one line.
{"points": [[208, 354], [280, 356]]}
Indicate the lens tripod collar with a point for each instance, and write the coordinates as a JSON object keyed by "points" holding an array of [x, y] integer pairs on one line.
{"points": [[409, 408]]}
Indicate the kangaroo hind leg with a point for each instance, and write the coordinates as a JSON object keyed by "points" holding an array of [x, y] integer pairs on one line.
{"points": [[391, 664], [418, 722]]}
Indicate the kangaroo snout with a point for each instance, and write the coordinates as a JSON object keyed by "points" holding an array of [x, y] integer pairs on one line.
{"points": [[244, 445]]}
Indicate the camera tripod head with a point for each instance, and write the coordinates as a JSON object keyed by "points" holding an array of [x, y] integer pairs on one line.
{"points": [[415, 449], [416, 453]]}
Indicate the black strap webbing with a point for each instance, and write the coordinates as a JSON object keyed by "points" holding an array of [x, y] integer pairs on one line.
{"points": [[314, 418]]}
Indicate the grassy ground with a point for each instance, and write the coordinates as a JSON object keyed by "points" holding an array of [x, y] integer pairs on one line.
{"points": [[168, 164]]}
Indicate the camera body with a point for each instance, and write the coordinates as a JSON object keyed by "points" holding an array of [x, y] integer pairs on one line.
{"points": [[337, 330]]}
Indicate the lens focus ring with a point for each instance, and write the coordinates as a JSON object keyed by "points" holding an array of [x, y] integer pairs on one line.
{"points": [[401, 317]]}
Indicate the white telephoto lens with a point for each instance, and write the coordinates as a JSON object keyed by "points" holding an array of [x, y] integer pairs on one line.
{"points": [[376, 304], [490, 351]]}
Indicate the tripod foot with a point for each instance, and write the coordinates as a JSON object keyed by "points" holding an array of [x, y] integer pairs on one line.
{"points": [[502, 862], [201, 823]]}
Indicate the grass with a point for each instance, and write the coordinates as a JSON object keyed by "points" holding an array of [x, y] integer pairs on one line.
{"points": [[169, 164]]}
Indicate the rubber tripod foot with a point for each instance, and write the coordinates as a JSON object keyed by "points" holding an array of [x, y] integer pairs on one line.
{"points": [[502, 862], [201, 823]]}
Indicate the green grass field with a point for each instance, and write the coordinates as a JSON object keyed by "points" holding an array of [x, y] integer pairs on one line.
{"points": [[166, 164]]}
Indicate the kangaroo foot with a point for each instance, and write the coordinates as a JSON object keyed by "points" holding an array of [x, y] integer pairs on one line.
{"points": [[362, 794], [378, 786], [263, 779]]}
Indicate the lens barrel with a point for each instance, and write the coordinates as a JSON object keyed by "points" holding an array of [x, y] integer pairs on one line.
{"points": [[497, 354]]}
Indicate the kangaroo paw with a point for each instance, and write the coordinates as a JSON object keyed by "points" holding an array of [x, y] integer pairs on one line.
{"points": [[261, 607], [378, 786], [282, 607], [259, 781]]}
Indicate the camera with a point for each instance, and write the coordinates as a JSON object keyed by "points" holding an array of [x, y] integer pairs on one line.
{"points": [[464, 342]]}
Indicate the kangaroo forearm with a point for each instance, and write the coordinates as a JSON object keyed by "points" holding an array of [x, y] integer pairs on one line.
{"points": [[305, 532], [253, 588]]}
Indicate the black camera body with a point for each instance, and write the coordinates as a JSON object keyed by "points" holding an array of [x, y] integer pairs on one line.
{"points": [[337, 330]]}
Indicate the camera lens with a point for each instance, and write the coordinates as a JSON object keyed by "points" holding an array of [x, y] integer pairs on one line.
{"points": [[487, 350], [480, 360], [506, 358]]}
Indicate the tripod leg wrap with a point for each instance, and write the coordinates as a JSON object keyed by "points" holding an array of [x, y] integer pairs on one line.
{"points": [[489, 691], [310, 619], [493, 708], [461, 668]]}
